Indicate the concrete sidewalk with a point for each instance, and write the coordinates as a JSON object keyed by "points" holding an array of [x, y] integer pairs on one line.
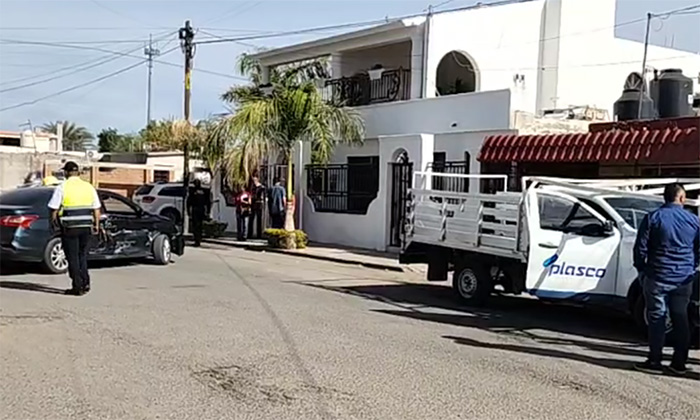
{"points": [[363, 257]]}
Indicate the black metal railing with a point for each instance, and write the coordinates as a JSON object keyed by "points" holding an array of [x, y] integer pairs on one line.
{"points": [[393, 85], [447, 183], [342, 188]]}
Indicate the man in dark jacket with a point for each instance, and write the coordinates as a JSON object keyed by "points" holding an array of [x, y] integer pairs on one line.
{"points": [[666, 255], [277, 204], [256, 212], [199, 203]]}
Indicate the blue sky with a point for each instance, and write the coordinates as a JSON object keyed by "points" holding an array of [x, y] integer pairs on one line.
{"points": [[123, 25]]}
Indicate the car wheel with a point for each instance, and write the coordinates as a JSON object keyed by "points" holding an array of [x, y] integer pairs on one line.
{"points": [[472, 284], [55, 261], [162, 251], [171, 214]]}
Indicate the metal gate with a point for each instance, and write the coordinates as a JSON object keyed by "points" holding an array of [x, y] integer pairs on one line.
{"points": [[401, 175]]}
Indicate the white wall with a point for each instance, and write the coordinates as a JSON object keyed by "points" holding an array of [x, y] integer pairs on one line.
{"points": [[454, 113], [503, 41]]}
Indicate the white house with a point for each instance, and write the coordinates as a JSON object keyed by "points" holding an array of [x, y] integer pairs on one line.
{"points": [[432, 88]]}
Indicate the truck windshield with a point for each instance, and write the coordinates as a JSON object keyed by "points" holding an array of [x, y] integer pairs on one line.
{"points": [[633, 210]]}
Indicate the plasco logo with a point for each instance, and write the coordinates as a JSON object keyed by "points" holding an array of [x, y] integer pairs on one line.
{"points": [[576, 271], [571, 270]]}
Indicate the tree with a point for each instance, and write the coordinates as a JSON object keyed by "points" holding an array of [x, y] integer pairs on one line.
{"points": [[277, 117], [75, 137], [109, 140]]}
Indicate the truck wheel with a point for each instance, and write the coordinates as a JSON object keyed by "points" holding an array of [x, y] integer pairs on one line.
{"points": [[54, 261], [472, 284], [162, 251]]}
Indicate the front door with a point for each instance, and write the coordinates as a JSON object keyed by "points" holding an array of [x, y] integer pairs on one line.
{"points": [[401, 176], [128, 232], [573, 253]]}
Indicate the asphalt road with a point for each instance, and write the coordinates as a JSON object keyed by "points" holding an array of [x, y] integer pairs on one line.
{"points": [[233, 334]]}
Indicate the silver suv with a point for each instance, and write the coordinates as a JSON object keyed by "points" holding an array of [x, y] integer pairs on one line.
{"points": [[164, 199]]}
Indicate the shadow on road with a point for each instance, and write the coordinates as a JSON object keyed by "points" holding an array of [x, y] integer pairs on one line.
{"points": [[31, 287], [561, 354], [20, 268], [504, 314]]}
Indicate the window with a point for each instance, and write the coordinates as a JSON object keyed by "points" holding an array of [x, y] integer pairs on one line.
{"points": [[344, 188], [161, 176], [633, 210], [178, 191], [143, 190], [563, 215], [114, 205]]}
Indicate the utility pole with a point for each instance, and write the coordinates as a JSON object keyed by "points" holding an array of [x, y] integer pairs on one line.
{"points": [[643, 87], [186, 35], [150, 52]]}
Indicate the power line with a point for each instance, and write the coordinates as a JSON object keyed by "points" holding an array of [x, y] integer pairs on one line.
{"points": [[75, 87], [73, 66], [116, 12], [235, 11]]}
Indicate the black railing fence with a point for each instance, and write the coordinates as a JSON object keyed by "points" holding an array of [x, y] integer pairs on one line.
{"points": [[342, 188], [450, 183], [393, 85]]}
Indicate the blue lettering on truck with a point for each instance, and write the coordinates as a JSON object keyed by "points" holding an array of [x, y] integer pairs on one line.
{"points": [[564, 269]]}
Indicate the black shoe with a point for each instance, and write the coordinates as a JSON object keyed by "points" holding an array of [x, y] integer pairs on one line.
{"points": [[86, 289], [678, 370], [649, 367], [72, 292]]}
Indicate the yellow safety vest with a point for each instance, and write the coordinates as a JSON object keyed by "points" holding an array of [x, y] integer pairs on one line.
{"points": [[76, 209]]}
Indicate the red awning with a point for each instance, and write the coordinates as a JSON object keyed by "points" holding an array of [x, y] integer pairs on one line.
{"points": [[672, 141]]}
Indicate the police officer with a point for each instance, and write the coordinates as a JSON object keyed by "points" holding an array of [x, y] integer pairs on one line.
{"points": [[75, 209], [199, 202]]}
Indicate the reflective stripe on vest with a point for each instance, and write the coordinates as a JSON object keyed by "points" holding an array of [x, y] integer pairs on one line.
{"points": [[76, 209]]}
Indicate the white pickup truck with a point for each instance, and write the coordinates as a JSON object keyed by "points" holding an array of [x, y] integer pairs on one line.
{"points": [[558, 239]]}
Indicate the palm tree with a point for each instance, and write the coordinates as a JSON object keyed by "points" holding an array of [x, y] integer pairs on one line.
{"points": [[75, 137], [275, 118]]}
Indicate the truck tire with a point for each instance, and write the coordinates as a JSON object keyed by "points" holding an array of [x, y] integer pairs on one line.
{"points": [[162, 250], [472, 283]]}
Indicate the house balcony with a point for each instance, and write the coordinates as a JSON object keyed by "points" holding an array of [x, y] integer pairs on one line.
{"points": [[372, 87]]}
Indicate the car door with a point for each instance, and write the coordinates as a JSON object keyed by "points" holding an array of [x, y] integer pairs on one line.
{"points": [[572, 249], [128, 235]]}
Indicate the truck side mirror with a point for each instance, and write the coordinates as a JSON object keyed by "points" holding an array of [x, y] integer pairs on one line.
{"points": [[608, 227]]}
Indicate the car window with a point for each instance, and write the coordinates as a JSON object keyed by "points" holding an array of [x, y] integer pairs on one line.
{"points": [[115, 205], [143, 190], [633, 210], [563, 215], [26, 196], [172, 192]]}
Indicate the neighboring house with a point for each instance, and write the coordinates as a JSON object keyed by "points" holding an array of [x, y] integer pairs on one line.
{"points": [[431, 89], [31, 141]]}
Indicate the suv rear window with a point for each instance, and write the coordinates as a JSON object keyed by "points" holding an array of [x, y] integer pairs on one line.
{"points": [[143, 190], [172, 192]]}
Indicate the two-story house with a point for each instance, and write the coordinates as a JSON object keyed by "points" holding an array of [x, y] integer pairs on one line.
{"points": [[431, 88]]}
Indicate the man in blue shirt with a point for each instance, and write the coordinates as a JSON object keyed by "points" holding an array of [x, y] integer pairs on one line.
{"points": [[666, 255]]}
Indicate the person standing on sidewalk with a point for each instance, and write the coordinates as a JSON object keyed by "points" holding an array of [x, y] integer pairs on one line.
{"points": [[277, 204], [75, 210], [255, 226], [666, 255], [242, 215], [199, 203]]}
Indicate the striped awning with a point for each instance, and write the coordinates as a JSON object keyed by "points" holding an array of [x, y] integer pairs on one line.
{"points": [[672, 141]]}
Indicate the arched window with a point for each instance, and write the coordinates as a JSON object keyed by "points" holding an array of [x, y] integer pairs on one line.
{"points": [[456, 73]]}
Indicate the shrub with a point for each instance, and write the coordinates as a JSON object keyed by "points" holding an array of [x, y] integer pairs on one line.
{"points": [[281, 238], [213, 229]]}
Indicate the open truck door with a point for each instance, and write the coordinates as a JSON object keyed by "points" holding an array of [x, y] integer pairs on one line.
{"points": [[572, 251]]}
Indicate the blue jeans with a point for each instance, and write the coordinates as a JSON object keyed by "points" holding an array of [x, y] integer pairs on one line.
{"points": [[241, 226], [661, 298]]}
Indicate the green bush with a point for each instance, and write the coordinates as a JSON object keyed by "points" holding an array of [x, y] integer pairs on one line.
{"points": [[213, 229], [281, 238]]}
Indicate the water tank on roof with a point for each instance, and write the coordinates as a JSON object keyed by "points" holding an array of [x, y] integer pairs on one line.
{"points": [[674, 94], [627, 107]]}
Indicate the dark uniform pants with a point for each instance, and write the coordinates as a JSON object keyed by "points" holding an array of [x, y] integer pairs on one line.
{"points": [[76, 247], [197, 225]]}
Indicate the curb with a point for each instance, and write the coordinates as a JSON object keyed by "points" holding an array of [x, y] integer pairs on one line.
{"points": [[265, 248]]}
